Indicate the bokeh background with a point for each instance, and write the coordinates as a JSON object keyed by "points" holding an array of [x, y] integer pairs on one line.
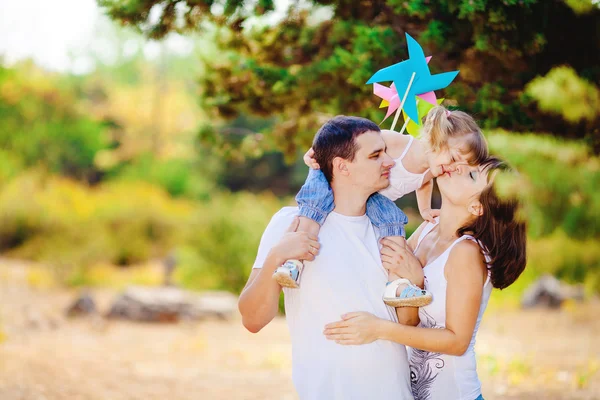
{"points": [[139, 134]]}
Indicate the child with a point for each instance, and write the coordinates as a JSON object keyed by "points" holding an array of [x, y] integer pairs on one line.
{"points": [[448, 138]]}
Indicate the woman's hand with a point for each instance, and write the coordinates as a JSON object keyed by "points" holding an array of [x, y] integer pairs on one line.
{"points": [[296, 245], [401, 261], [310, 160], [354, 328]]}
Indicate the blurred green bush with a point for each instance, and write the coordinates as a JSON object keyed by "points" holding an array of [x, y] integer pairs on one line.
{"points": [[193, 178], [41, 124], [72, 228], [560, 182], [223, 237]]}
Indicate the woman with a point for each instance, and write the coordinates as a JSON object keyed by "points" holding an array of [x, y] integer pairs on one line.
{"points": [[477, 243]]}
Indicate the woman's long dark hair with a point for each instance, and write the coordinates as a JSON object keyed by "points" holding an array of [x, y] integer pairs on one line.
{"points": [[500, 229]]}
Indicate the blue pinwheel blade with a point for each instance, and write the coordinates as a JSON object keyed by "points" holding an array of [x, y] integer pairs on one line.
{"points": [[435, 82], [393, 72], [417, 57], [410, 107]]}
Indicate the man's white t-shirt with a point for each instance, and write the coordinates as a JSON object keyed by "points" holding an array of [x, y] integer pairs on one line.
{"points": [[346, 276]]}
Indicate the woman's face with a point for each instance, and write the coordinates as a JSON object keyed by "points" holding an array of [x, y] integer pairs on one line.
{"points": [[463, 186]]}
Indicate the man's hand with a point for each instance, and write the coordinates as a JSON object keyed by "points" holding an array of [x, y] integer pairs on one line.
{"points": [[296, 245], [401, 261], [429, 215], [309, 159]]}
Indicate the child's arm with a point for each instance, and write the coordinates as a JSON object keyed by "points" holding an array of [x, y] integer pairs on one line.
{"points": [[424, 194]]}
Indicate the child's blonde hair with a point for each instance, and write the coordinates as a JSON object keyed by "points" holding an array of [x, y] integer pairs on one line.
{"points": [[441, 124]]}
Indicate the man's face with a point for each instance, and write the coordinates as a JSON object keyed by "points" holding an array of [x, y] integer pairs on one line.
{"points": [[370, 169]]}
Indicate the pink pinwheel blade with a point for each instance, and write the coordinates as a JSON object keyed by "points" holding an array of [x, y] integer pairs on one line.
{"points": [[390, 95], [384, 92], [429, 97]]}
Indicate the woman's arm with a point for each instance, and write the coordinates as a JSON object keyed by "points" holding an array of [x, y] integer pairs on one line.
{"points": [[466, 273]]}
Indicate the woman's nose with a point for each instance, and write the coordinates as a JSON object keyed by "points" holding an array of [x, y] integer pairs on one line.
{"points": [[459, 168]]}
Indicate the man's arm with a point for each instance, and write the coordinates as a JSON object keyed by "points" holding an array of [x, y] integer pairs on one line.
{"points": [[259, 300]]}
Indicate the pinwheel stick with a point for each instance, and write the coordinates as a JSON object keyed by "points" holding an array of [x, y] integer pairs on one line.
{"points": [[399, 110], [405, 124], [407, 121]]}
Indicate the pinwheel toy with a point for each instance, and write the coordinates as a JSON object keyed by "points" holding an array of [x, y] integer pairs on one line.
{"points": [[412, 78], [390, 97]]}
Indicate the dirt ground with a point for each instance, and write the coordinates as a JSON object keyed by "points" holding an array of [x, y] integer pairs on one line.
{"points": [[43, 355]]}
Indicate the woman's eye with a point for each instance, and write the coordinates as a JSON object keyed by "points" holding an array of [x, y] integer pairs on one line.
{"points": [[471, 175]]}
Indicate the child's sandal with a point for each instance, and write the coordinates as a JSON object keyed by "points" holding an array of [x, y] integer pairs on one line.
{"points": [[411, 295], [288, 275]]}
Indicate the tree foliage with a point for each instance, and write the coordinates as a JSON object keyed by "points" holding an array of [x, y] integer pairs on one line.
{"points": [[314, 61], [42, 125]]}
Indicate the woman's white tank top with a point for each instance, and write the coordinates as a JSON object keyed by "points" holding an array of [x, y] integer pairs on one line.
{"points": [[402, 181], [440, 376]]}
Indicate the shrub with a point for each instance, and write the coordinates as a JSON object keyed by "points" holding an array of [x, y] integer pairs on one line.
{"points": [[561, 178], [223, 240], [71, 226]]}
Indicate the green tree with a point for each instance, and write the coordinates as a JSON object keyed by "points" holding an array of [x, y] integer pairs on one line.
{"points": [[314, 60], [42, 125]]}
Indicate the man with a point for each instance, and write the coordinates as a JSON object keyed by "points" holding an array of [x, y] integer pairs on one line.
{"points": [[346, 276]]}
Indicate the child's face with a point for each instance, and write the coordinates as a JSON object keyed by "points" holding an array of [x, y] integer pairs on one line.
{"points": [[447, 158]]}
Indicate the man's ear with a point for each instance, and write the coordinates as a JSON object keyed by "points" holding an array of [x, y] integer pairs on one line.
{"points": [[340, 166], [475, 208]]}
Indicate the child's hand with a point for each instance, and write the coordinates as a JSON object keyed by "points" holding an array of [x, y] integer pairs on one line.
{"points": [[309, 160], [429, 215]]}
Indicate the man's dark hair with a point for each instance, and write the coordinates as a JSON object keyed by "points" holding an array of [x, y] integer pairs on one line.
{"points": [[337, 138]]}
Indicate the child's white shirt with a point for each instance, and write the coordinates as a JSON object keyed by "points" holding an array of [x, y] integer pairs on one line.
{"points": [[402, 181]]}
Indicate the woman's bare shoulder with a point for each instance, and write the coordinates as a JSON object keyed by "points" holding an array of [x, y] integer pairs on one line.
{"points": [[467, 248], [466, 257]]}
